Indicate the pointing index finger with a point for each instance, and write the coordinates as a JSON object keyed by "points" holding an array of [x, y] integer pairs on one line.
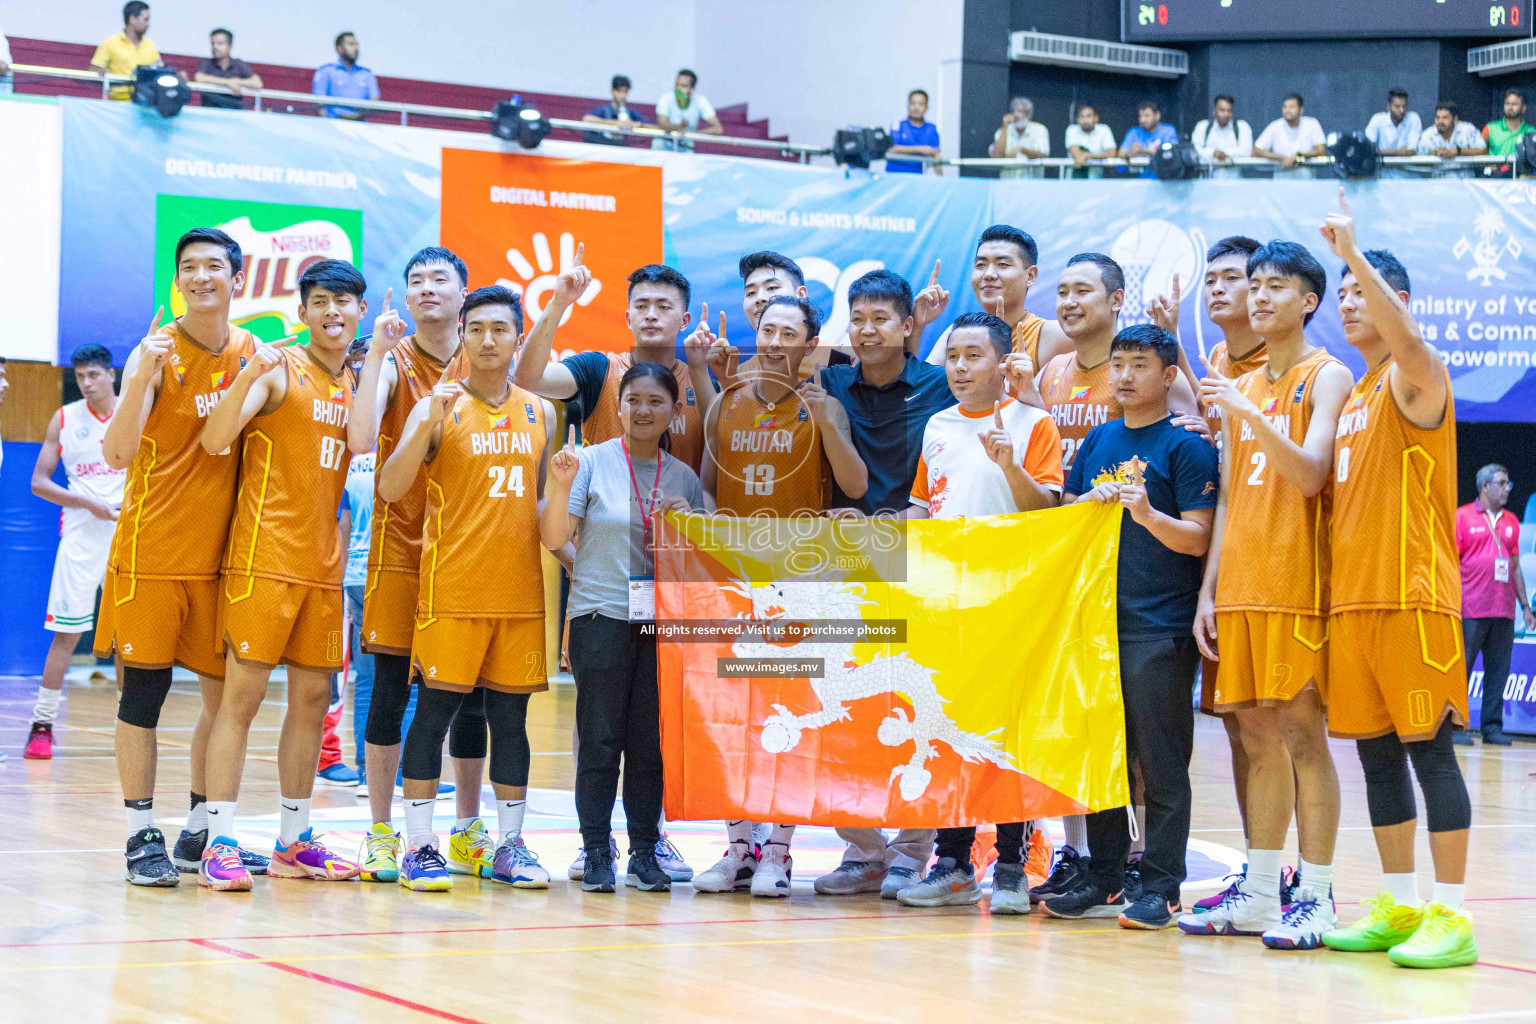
{"points": [[1343, 202], [997, 413], [581, 248], [933, 278], [159, 316], [389, 295], [570, 435]]}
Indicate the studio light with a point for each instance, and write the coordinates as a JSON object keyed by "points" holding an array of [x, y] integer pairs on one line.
{"points": [[1176, 161], [859, 147], [160, 88], [1354, 155], [518, 122]]}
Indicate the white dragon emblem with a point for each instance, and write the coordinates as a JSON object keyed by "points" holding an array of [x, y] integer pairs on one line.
{"points": [[845, 680]]}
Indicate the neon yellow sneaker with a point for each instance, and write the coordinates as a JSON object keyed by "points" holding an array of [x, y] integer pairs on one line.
{"points": [[380, 855], [470, 850], [1385, 924], [1443, 939]]}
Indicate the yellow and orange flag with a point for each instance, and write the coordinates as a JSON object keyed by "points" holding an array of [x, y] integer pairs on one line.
{"points": [[911, 674]]}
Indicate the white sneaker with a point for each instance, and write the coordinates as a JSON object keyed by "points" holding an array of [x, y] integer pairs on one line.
{"points": [[730, 873], [850, 877], [578, 868], [1241, 913], [671, 861], [1303, 922], [897, 879], [773, 871]]}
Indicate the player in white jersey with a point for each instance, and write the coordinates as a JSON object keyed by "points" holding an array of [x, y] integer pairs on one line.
{"points": [[90, 505]]}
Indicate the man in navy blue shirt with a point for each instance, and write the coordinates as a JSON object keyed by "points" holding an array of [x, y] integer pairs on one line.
{"points": [[1165, 479], [345, 77], [913, 137], [1149, 134], [615, 112]]}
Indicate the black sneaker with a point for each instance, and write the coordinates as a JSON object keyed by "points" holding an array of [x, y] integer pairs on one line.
{"points": [[1496, 738], [598, 874], [1070, 872], [147, 862], [644, 873], [188, 854], [1149, 912], [1087, 900], [1461, 738], [1133, 880]]}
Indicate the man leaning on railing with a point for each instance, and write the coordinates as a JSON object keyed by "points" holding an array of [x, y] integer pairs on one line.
{"points": [[222, 69], [346, 78]]}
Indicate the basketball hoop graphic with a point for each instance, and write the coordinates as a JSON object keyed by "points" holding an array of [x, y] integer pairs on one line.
{"points": [[1150, 252]]}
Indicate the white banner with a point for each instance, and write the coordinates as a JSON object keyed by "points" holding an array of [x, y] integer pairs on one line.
{"points": [[30, 177]]}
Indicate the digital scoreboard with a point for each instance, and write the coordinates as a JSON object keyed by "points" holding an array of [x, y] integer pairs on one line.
{"points": [[1182, 21]]}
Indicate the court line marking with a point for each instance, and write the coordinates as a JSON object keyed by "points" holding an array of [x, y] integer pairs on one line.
{"points": [[337, 982], [1453, 1018]]}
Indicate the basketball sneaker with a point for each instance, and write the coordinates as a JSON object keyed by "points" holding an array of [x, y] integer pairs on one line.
{"points": [[897, 879], [1070, 872], [1086, 901], [774, 868], [1132, 883], [851, 877], [1149, 912], [516, 865], [671, 861], [1212, 902], [598, 875], [948, 885], [1010, 894], [424, 870], [1242, 913], [187, 855], [1302, 923], [220, 868], [1037, 860], [380, 854], [147, 862], [645, 872], [730, 873], [307, 857], [579, 865], [1386, 923], [470, 850], [339, 774], [39, 742], [1443, 939]]}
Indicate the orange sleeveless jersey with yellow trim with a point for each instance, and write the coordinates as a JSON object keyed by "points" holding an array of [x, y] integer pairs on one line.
{"points": [[1026, 336], [1223, 363], [1394, 505], [293, 469], [480, 555], [768, 457], [1078, 400], [179, 499], [686, 432], [396, 542], [1274, 548]]}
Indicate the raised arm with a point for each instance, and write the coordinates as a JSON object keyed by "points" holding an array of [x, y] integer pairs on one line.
{"points": [[376, 383], [556, 523], [423, 430], [141, 386], [534, 370], [1029, 495], [1205, 609], [710, 470], [927, 305], [260, 386]]}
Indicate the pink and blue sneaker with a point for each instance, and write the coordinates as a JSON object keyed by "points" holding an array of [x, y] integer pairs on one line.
{"points": [[516, 865], [424, 870], [221, 869], [307, 857]]}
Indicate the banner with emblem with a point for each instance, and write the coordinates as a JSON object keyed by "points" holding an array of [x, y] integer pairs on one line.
{"points": [[893, 673]]}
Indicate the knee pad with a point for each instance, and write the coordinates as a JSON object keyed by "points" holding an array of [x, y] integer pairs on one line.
{"points": [[1388, 789], [422, 755], [391, 696], [511, 757], [466, 737], [143, 696], [1447, 804]]}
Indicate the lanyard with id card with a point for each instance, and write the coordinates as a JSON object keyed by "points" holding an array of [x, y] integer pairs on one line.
{"points": [[1501, 560], [642, 588]]}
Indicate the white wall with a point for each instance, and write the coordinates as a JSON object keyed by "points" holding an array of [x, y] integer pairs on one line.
{"points": [[30, 181], [811, 66]]}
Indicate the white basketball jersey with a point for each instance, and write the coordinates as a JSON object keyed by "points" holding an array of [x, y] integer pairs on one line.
{"points": [[80, 437]]}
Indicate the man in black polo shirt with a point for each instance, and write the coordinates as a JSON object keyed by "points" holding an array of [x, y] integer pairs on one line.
{"points": [[222, 69], [889, 396]]}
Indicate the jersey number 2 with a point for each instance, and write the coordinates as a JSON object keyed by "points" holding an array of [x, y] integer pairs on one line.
{"points": [[503, 481], [1257, 476]]}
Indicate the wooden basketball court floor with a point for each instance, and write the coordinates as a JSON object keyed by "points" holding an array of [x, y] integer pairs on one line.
{"points": [[78, 944]]}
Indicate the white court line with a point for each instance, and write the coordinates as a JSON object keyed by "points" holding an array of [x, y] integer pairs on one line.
{"points": [[1451, 1018]]}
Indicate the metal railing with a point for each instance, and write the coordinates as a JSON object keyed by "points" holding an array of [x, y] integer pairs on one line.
{"points": [[1064, 165], [265, 98]]}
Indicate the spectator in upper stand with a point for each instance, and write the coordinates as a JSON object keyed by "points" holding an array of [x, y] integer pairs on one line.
{"points": [[1291, 136], [222, 69], [913, 136], [120, 54], [1396, 130], [682, 110], [1449, 136], [615, 112], [1148, 135], [7, 80], [1088, 140], [345, 78], [1503, 136], [1021, 136], [1221, 137]]}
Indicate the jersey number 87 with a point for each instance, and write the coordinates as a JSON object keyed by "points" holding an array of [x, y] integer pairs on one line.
{"points": [[332, 453]]}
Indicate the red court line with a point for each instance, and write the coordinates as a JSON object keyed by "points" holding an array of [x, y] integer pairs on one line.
{"points": [[1506, 967], [338, 983]]}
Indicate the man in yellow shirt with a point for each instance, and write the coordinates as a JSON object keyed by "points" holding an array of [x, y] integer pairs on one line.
{"points": [[119, 54]]}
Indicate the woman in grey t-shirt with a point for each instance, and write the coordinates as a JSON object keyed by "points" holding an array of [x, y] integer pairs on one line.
{"points": [[609, 492]]}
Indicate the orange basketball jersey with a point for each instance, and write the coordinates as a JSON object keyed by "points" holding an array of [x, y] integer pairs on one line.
{"points": [[293, 469], [1078, 400], [686, 432], [396, 541], [480, 555], [1274, 548], [768, 457], [178, 499], [1394, 505], [1026, 336], [1224, 364]]}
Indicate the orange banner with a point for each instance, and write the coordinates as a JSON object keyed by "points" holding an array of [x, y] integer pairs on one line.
{"points": [[517, 220]]}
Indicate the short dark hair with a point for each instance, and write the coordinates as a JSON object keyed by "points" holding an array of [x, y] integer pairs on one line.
{"points": [[494, 295], [1389, 267], [1109, 271], [133, 8], [1086, 106], [693, 77], [883, 286], [1396, 94], [620, 82], [1140, 337], [91, 355], [1297, 97], [336, 276], [1292, 259], [919, 92], [659, 273], [213, 236], [1233, 245], [1448, 105], [1009, 233], [226, 33], [342, 35], [1223, 96], [1515, 92], [651, 371], [754, 261], [998, 331], [1148, 105], [437, 254], [807, 312]]}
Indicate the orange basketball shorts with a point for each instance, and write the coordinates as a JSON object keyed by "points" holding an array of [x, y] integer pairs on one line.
{"points": [[1395, 671], [460, 654], [1267, 658], [275, 622], [389, 612], [155, 623]]}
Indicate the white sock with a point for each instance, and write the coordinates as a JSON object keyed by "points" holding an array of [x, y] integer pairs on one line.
{"points": [[1139, 844], [141, 814], [739, 832], [292, 818], [197, 817], [1263, 879], [47, 705], [221, 820], [1404, 888], [509, 818], [1076, 828], [1453, 896], [460, 824], [1316, 878], [418, 823], [782, 834]]}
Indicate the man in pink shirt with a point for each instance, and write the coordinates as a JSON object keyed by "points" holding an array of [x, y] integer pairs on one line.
{"points": [[1488, 541]]}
